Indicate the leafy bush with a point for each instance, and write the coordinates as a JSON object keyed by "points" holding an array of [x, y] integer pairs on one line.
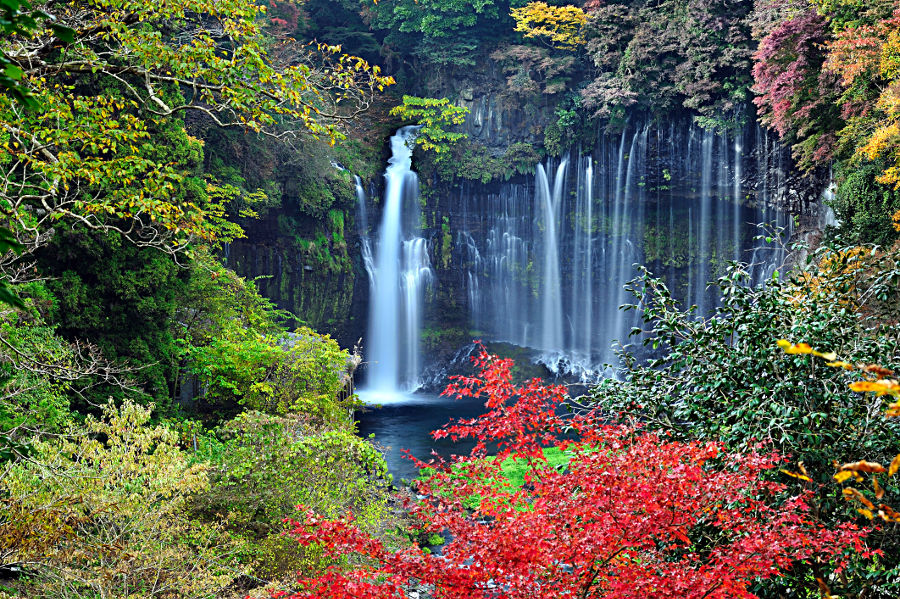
{"points": [[265, 465], [862, 204], [724, 378], [100, 512]]}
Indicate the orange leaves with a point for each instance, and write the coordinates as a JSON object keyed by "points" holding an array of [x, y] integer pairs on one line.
{"points": [[879, 387], [863, 466], [895, 466], [879, 490], [877, 370], [867, 57], [845, 475], [840, 364], [852, 470], [804, 475], [804, 348], [851, 493]]}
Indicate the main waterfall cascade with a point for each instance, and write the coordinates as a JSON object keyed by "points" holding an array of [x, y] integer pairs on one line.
{"points": [[399, 270], [546, 265]]}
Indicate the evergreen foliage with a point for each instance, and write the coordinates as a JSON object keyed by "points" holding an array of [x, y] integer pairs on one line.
{"points": [[725, 379]]}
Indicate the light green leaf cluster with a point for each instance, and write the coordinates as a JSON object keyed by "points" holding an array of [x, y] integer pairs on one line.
{"points": [[92, 154], [434, 116]]}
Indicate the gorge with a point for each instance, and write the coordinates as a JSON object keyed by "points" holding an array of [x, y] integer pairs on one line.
{"points": [[246, 247]]}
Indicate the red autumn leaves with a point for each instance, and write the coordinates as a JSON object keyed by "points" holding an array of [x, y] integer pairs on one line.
{"points": [[632, 515]]}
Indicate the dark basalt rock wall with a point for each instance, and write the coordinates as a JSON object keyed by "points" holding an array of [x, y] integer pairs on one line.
{"points": [[334, 299]]}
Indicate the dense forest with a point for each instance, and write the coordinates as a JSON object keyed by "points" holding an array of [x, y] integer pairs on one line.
{"points": [[673, 225]]}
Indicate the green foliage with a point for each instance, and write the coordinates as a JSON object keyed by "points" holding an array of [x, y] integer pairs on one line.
{"points": [[109, 148], [100, 512], [17, 18], [534, 75], [472, 161], [120, 297], [661, 56], [862, 205], [32, 400], [563, 132], [264, 466], [339, 22], [8, 243], [724, 378], [441, 32], [230, 339], [434, 116]]}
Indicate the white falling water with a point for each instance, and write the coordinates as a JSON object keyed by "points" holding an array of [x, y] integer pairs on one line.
{"points": [[581, 320], [736, 195], [551, 291], [704, 255], [400, 271], [829, 219], [545, 266], [363, 228]]}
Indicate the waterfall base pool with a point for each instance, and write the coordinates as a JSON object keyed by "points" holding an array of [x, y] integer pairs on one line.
{"points": [[406, 421]]}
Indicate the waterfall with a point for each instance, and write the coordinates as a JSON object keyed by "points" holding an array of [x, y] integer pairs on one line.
{"points": [[363, 230], [736, 195], [544, 263], [704, 255], [551, 290], [398, 275], [581, 321]]}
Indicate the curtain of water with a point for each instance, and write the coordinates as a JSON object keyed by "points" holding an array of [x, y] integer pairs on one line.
{"points": [[546, 266]]}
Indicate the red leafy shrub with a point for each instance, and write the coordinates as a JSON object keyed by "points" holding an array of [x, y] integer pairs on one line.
{"points": [[796, 97], [633, 514]]}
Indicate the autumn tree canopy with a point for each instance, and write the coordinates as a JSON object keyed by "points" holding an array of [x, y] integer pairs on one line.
{"points": [[108, 148]]}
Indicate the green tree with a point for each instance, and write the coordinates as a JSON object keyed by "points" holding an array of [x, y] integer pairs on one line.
{"points": [[90, 155], [442, 32], [724, 378], [121, 298], [100, 512]]}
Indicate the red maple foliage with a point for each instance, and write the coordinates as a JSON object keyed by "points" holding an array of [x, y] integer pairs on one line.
{"points": [[632, 515], [796, 97]]}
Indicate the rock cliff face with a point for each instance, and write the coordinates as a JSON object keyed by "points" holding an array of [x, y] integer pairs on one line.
{"points": [[541, 260], [323, 294]]}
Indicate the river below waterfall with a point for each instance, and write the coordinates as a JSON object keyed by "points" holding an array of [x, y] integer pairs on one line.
{"points": [[407, 422]]}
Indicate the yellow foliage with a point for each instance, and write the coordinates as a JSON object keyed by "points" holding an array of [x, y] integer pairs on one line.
{"points": [[561, 24], [852, 263], [804, 348], [102, 512], [882, 139], [889, 63]]}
